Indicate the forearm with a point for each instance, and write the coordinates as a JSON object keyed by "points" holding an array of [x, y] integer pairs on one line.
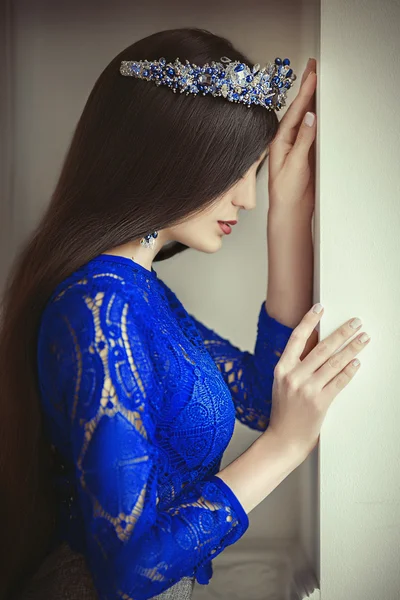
{"points": [[253, 475], [290, 268]]}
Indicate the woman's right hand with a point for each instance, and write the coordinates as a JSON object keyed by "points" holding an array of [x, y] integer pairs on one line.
{"points": [[303, 390]]}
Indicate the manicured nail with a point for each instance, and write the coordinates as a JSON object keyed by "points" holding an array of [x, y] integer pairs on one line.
{"points": [[309, 119], [317, 308]]}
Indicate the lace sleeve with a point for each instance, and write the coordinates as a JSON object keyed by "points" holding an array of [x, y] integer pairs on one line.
{"points": [[249, 376], [106, 377]]}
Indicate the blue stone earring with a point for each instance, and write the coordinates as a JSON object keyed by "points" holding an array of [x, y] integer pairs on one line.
{"points": [[148, 240]]}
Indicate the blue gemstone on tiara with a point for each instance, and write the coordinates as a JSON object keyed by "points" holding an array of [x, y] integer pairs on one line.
{"points": [[232, 80]]}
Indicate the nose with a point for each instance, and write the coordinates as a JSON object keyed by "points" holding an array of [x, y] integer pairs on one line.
{"points": [[246, 197]]}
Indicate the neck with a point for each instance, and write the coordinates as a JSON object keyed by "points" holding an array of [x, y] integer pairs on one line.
{"points": [[138, 253]]}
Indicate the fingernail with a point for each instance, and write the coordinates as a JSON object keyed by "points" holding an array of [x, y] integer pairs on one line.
{"points": [[355, 323], [309, 119], [317, 308]]}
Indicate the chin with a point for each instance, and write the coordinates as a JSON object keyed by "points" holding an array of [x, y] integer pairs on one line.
{"points": [[212, 247], [207, 246]]}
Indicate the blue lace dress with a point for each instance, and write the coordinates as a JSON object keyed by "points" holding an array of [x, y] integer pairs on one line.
{"points": [[139, 401]]}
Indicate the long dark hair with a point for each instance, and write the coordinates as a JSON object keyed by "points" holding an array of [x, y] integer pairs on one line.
{"points": [[141, 159]]}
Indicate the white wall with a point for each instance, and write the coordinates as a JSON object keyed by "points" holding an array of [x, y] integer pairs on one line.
{"points": [[359, 265], [60, 50]]}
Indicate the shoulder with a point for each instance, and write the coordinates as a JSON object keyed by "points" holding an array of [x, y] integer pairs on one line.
{"points": [[97, 287], [95, 301]]}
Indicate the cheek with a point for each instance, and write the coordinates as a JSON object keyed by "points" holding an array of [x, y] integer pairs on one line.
{"points": [[202, 232], [203, 227], [206, 220], [195, 230]]}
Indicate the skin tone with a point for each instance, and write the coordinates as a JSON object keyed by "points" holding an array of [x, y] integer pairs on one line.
{"points": [[201, 232]]}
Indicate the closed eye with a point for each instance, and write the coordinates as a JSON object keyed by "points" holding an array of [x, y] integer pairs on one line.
{"points": [[260, 166]]}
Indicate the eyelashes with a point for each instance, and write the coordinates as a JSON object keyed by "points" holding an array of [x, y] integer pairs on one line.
{"points": [[260, 166]]}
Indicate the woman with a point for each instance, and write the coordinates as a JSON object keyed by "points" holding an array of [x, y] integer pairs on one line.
{"points": [[116, 403]]}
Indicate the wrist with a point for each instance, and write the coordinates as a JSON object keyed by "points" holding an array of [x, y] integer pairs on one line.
{"points": [[290, 452], [298, 213]]}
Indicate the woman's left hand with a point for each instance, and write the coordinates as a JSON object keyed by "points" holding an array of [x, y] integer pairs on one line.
{"points": [[291, 183]]}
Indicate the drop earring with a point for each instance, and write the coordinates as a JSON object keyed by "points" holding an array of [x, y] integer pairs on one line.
{"points": [[148, 240]]}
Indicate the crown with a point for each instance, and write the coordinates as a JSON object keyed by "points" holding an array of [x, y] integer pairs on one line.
{"points": [[233, 80]]}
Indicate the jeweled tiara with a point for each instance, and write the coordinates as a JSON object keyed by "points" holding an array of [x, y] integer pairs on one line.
{"points": [[233, 80]]}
